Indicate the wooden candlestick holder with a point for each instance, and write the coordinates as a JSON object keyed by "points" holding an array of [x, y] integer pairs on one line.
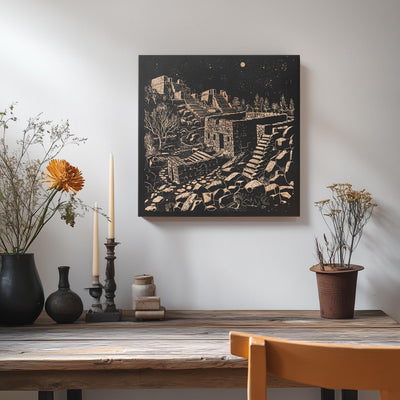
{"points": [[109, 312]]}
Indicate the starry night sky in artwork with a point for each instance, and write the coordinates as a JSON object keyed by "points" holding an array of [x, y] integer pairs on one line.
{"points": [[240, 76]]}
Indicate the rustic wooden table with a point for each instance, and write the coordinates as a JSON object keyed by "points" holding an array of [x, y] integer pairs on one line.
{"points": [[190, 349]]}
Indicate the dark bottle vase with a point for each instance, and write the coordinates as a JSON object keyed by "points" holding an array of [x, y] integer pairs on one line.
{"points": [[64, 305], [21, 291]]}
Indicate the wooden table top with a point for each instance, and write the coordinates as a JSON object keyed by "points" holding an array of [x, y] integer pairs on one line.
{"points": [[188, 349]]}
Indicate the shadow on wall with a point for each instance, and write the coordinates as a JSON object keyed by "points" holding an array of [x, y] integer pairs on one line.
{"points": [[304, 145], [172, 258], [175, 232], [384, 278]]}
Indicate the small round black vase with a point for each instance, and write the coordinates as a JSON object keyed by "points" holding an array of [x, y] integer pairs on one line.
{"points": [[64, 305], [21, 291]]}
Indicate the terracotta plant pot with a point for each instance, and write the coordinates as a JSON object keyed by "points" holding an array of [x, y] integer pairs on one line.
{"points": [[337, 290]]}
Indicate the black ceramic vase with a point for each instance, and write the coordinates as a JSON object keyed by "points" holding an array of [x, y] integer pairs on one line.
{"points": [[64, 305], [21, 291]]}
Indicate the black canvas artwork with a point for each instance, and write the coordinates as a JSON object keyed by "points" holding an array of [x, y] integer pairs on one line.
{"points": [[219, 136]]}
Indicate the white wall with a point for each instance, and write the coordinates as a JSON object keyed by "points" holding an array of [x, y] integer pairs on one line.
{"points": [[78, 60]]}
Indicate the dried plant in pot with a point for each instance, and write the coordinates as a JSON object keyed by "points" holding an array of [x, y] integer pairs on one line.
{"points": [[27, 160], [345, 213]]}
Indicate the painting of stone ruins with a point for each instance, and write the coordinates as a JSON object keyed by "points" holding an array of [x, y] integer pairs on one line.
{"points": [[219, 135]]}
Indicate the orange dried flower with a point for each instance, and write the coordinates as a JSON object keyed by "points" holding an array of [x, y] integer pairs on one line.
{"points": [[63, 176]]}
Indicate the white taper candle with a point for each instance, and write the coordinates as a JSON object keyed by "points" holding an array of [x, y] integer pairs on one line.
{"points": [[111, 227], [95, 258]]}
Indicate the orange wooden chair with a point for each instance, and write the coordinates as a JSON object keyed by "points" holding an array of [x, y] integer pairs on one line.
{"points": [[318, 365]]}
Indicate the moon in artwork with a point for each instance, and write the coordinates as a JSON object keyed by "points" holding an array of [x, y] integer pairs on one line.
{"points": [[242, 64]]}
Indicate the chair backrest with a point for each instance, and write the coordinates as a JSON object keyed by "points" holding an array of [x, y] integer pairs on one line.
{"points": [[329, 366]]}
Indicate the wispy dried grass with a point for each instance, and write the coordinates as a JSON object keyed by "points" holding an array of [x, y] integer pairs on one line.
{"points": [[25, 205], [345, 213]]}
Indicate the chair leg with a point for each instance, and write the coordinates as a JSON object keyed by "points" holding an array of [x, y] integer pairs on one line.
{"points": [[349, 395], [74, 394], [45, 395], [327, 394]]}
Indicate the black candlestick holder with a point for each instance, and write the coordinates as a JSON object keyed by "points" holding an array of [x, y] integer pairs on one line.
{"points": [[108, 312], [95, 291]]}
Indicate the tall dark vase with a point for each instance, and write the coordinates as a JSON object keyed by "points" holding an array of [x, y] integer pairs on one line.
{"points": [[64, 305], [21, 291]]}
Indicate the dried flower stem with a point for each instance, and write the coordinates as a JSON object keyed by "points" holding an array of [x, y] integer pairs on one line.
{"points": [[345, 214], [25, 205]]}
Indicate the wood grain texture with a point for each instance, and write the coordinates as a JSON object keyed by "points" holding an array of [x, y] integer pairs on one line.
{"points": [[256, 318], [189, 349]]}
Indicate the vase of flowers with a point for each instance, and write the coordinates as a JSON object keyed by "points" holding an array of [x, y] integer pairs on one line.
{"points": [[27, 205], [345, 214]]}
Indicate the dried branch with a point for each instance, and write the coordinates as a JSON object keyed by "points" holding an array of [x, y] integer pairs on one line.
{"points": [[23, 199], [346, 213]]}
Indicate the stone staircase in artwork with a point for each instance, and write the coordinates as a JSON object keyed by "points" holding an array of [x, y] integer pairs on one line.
{"points": [[222, 104], [194, 111], [198, 110], [261, 156]]}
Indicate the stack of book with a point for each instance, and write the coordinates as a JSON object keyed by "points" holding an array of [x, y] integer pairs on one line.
{"points": [[149, 307]]}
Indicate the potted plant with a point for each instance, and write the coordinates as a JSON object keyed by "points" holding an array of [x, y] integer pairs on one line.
{"points": [[26, 206], [345, 214]]}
